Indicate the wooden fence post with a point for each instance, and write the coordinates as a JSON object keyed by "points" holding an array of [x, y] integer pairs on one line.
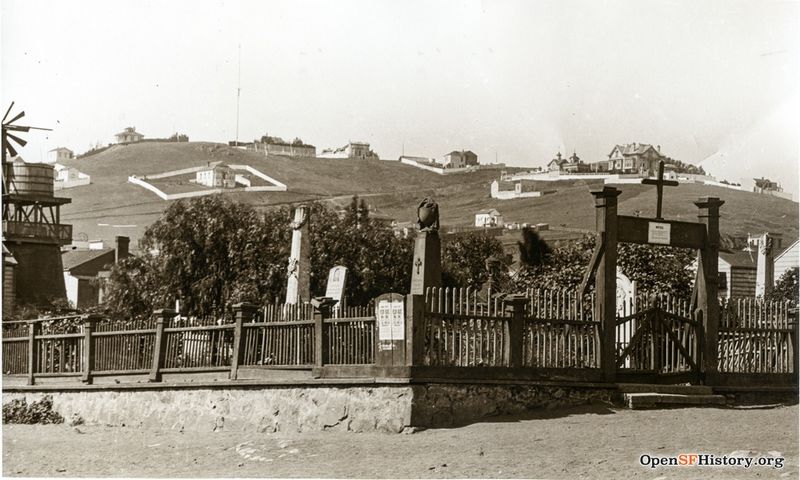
{"points": [[244, 314], [160, 343], [322, 310], [793, 340], [89, 322], [415, 329], [33, 354], [708, 285], [515, 335], [607, 225]]}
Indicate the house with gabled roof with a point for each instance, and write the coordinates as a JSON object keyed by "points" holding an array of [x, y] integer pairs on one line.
{"points": [[638, 158], [460, 159], [59, 154], [489, 218], [85, 270], [216, 175]]}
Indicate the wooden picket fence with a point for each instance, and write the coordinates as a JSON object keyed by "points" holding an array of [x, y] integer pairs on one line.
{"points": [[755, 336], [465, 327], [276, 335]]}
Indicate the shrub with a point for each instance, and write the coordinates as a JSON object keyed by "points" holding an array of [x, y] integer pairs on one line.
{"points": [[38, 412]]}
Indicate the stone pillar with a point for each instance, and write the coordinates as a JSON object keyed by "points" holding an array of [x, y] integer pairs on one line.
{"points": [[322, 311], [606, 278], [298, 284], [707, 284], [765, 273], [426, 268]]}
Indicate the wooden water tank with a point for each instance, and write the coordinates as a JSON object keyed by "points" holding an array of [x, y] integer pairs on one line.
{"points": [[32, 179]]}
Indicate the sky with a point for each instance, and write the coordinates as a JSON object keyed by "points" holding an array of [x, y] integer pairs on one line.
{"points": [[712, 82]]}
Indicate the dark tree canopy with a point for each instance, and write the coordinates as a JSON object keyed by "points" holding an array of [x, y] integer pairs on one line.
{"points": [[464, 259]]}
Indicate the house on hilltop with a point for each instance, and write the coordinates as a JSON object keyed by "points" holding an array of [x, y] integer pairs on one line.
{"points": [[278, 146], [216, 175], [59, 154], [489, 218], [129, 135], [637, 158], [351, 150], [456, 159], [573, 164]]}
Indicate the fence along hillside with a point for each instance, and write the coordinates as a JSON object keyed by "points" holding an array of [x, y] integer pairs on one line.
{"points": [[473, 332]]}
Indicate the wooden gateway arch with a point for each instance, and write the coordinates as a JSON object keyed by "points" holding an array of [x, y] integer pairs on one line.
{"points": [[665, 346]]}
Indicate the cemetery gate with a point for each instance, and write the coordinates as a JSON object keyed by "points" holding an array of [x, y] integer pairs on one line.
{"points": [[666, 344]]}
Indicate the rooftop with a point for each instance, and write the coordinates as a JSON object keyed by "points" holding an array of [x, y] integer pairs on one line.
{"points": [[75, 258]]}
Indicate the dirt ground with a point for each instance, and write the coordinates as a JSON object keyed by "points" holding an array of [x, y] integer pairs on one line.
{"points": [[588, 442]]}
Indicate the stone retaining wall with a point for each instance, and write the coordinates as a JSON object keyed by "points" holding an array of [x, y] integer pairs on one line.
{"points": [[267, 409]]}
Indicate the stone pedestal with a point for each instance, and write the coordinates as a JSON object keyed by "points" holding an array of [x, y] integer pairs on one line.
{"points": [[427, 264]]}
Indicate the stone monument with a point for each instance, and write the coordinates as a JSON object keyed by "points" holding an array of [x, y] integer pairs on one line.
{"points": [[298, 284], [765, 265], [426, 268], [335, 289]]}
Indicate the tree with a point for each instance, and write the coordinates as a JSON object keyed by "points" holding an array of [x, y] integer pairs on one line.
{"points": [[786, 288], [533, 250], [208, 252], [464, 259], [563, 268], [377, 260]]}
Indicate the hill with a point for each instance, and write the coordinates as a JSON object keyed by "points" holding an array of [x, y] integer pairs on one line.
{"points": [[111, 206]]}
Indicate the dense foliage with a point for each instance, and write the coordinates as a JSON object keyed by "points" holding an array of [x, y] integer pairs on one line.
{"points": [[464, 259], [654, 268], [38, 412], [212, 252], [787, 288]]}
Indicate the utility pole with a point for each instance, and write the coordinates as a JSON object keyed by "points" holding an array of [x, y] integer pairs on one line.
{"points": [[238, 94]]}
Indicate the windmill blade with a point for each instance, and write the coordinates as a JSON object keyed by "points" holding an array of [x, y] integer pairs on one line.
{"points": [[11, 150], [17, 128], [8, 111], [19, 115], [20, 141]]}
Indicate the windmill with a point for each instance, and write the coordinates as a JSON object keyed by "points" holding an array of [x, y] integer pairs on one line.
{"points": [[8, 150]]}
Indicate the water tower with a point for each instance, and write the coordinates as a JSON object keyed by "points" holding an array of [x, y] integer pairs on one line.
{"points": [[32, 229]]}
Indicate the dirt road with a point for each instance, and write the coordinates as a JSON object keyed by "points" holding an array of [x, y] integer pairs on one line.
{"points": [[591, 442]]}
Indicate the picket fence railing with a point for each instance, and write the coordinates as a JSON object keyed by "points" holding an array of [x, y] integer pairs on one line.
{"points": [[549, 329], [755, 336], [169, 343]]}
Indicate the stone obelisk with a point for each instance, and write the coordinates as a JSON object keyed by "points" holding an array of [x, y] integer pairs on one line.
{"points": [[427, 267], [765, 264], [298, 284]]}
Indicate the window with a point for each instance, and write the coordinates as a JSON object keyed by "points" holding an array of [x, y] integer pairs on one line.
{"points": [[722, 281]]}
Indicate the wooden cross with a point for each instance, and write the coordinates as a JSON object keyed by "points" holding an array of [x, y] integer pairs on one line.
{"points": [[659, 183]]}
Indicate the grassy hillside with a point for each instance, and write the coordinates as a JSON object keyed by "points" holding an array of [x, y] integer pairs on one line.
{"points": [[110, 206]]}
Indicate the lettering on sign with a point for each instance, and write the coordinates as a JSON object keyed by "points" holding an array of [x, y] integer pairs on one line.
{"points": [[391, 320], [658, 233]]}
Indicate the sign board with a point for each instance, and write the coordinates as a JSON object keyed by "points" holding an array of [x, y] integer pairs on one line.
{"points": [[336, 281], [658, 233], [391, 320]]}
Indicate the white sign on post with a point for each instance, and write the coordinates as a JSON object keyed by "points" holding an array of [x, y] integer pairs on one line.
{"points": [[658, 233], [391, 320]]}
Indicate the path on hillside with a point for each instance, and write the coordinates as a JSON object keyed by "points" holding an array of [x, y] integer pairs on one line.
{"points": [[588, 442]]}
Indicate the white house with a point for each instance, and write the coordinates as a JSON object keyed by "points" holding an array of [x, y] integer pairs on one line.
{"points": [[68, 177], [217, 175], [59, 155], [129, 135], [488, 218], [787, 259]]}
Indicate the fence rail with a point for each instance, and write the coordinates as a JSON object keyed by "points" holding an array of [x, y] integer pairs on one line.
{"points": [[755, 336]]}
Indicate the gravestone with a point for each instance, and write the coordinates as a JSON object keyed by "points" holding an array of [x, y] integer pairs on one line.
{"points": [[337, 276], [765, 263], [298, 284], [426, 269], [625, 294]]}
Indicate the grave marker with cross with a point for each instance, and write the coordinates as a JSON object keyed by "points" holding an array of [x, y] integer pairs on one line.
{"points": [[660, 183]]}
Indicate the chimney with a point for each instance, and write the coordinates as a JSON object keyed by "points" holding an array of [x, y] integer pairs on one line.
{"points": [[658, 147], [121, 251]]}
